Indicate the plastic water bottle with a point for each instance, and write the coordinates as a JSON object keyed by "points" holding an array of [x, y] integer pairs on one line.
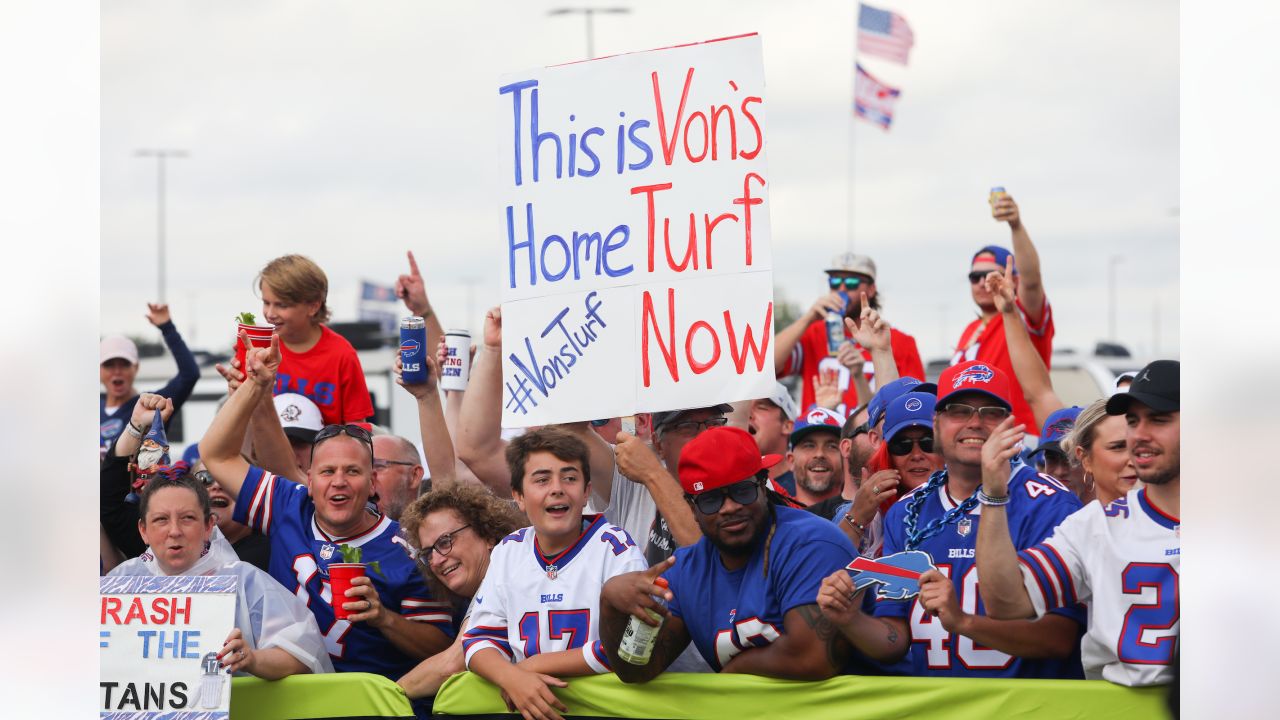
{"points": [[835, 326], [639, 637]]}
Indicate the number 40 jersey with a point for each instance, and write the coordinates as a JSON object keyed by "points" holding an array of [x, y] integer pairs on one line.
{"points": [[1122, 560], [531, 603]]}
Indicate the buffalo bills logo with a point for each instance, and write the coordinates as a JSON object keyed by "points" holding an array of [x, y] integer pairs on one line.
{"points": [[976, 374], [913, 404], [897, 576], [817, 417], [1060, 428], [410, 346]]}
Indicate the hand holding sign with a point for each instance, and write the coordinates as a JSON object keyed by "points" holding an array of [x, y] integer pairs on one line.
{"points": [[938, 597], [838, 599]]}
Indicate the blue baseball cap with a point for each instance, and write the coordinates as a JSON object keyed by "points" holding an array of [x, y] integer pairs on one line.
{"points": [[817, 418], [895, 389], [913, 409], [994, 254], [1056, 427]]}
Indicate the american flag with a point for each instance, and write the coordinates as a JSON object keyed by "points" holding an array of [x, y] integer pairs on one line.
{"points": [[873, 100], [884, 34]]}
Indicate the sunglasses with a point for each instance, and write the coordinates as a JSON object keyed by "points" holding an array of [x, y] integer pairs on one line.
{"points": [[710, 502], [961, 412], [849, 283], [902, 445], [443, 545], [697, 426], [204, 477], [977, 277], [331, 431], [600, 423]]}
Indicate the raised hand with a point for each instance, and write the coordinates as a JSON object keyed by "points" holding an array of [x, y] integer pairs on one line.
{"points": [[1003, 443], [871, 331], [1006, 210], [144, 412], [829, 302], [261, 363], [826, 384], [1001, 285], [157, 313], [422, 389], [413, 290], [492, 333], [632, 592]]}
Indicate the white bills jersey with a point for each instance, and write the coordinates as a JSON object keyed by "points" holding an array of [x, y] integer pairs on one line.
{"points": [[1122, 561], [531, 603]]}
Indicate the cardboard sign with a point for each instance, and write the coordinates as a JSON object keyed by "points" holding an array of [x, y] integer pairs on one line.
{"points": [[159, 637], [637, 271]]}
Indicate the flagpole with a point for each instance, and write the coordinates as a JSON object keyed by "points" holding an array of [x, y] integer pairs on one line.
{"points": [[853, 124]]}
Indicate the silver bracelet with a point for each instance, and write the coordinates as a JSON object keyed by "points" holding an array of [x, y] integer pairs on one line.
{"points": [[133, 430], [986, 499]]}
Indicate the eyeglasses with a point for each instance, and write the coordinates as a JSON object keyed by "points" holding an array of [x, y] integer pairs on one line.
{"points": [[696, 426], [379, 464], [961, 412], [443, 545], [331, 431], [858, 430], [901, 445], [977, 277], [849, 283], [710, 502], [204, 477]]}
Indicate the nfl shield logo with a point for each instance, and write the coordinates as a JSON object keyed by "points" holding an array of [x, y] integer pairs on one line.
{"points": [[964, 527], [326, 552]]}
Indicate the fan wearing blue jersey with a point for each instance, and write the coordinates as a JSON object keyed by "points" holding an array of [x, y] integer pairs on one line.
{"points": [[1121, 559], [744, 592], [394, 621], [941, 518], [535, 618]]}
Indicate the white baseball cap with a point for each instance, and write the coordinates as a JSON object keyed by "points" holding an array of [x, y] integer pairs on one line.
{"points": [[853, 262], [782, 398], [299, 416], [117, 346]]}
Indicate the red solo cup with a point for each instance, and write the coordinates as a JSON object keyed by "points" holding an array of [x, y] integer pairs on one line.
{"points": [[340, 575], [259, 336]]}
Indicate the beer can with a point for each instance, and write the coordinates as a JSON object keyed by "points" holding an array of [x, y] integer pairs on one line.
{"points": [[413, 350], [456, 370], [996, 193]]}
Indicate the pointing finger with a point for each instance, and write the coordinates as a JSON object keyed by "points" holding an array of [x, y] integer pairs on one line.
{"points": [[413, 265]]}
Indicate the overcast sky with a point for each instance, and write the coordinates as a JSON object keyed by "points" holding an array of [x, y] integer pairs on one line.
{"points": [[352, 131]]}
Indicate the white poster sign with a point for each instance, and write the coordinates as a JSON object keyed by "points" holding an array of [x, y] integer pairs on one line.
{"points": [[159, 638], [635, 220]]}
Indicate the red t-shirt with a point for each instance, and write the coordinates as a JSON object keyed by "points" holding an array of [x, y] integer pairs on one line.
{"points": [[330, 375], [810, 355], [991, 347]]}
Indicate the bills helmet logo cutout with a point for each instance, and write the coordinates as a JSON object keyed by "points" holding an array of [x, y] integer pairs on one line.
{"points": [[896, 577], [913, 405], [409, 345], [977, 374]]}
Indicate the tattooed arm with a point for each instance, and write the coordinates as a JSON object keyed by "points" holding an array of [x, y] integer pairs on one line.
{"points": [[810, 649], [631, 594], [883, 639]]}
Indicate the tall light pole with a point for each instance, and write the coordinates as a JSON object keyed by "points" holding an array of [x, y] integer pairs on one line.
{"points": [[589, 13], [1112, 262], [160, 155]]}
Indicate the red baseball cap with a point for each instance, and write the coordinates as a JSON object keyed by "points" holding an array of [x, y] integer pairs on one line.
{"points": [[974, 376], [721, 456]]}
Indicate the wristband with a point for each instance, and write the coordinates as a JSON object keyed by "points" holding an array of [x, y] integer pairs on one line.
{"points": [[134, 430], [986, 499], [848, 517]]}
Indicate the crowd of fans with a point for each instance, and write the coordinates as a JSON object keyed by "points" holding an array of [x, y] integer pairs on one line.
{"points": [[523, 557]]}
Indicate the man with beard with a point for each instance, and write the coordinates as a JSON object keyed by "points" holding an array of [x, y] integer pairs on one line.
{"points": [[815, 456], [1106, 557], [939, 518], [744, 593], [397, 474]]}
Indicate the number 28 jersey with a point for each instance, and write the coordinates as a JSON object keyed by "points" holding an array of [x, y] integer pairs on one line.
{"points": [[1122, 560], [531, 603]]}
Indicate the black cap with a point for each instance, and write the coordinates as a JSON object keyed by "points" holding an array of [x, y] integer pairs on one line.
{"points": [[667, 417], [1155, 386]]}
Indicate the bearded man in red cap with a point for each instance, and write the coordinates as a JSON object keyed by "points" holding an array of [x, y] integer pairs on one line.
{"points": [[746, 592]]}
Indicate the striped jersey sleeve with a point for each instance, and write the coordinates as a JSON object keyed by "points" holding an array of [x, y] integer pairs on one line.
{"points": [[1052, 569]]}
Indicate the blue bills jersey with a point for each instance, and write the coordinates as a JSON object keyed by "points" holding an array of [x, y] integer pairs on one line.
{"points": [[300, 557], [727, 612], [531, 603], [1038, 503]]}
